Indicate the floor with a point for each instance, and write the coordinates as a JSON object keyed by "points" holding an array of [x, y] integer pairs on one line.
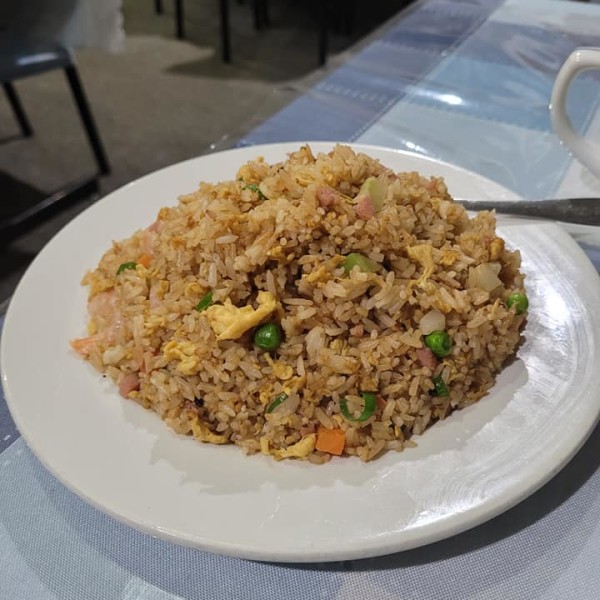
{"points": [[163, 100]]}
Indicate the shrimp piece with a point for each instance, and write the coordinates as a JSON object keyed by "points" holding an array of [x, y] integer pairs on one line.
{"points": [[148, 237], [103, 310], [106, 319], [84, 346]]}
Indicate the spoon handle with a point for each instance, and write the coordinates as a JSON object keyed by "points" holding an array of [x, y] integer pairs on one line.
{"points": [[585, 211]]}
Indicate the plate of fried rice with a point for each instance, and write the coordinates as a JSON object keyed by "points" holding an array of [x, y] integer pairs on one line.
{"points": [[304, 352]]}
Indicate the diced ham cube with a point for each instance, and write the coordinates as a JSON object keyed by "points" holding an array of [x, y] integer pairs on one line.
{"points": [[129, 383], [427, 358], [326, 196], [357, 330], [365, 208]]}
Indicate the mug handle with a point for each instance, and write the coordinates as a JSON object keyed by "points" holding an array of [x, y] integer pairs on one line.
{"points": [[580, 60]]}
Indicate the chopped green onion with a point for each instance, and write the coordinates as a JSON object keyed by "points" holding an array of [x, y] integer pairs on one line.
{"points": [[369, 408], [253, 187], [355, 259], [268, 336], [205, 302], [124, 266], [440, 387], [519, 301], [278, 400], [439, 342]]}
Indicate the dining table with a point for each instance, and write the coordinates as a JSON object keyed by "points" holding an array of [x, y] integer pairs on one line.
{"points": [[462, 81]]}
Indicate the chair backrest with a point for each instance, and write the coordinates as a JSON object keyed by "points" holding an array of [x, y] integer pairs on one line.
{"points": [[45, 19]]}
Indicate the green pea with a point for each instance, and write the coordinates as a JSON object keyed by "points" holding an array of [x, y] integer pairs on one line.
{"points": [[126, 265], [440, 387], [519, 301], [268, 337], [355, 259], [205, 302], [439, 342]]}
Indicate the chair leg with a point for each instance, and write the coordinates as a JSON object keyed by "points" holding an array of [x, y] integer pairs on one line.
{"points": [[17, 108], [87, 119], [323, 31], [180, 29], [264, 5], [257, 13], [225, 41], [261, 14], [349, 12], [158, 7]]}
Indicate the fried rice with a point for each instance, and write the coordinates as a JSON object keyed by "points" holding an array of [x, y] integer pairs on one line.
{"points": [[355, 268]]}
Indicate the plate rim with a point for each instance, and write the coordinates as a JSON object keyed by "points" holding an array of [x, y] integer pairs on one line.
{"points": [[445, 529]]}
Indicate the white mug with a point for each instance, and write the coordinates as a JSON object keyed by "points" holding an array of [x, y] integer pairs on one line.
{"points": [[582, 59]]}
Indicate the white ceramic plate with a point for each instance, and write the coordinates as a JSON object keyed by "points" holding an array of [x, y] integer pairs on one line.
{"points": [[474, 465]]}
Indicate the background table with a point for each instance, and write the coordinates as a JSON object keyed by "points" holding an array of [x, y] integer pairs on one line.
{"points": [[467, 81]]}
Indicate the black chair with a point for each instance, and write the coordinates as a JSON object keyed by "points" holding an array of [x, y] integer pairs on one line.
{"points": [[261, 19], [24, 56]]}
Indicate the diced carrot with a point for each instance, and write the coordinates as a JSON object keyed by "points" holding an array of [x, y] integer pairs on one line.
{"points": [[145, 260], [330, 440]]}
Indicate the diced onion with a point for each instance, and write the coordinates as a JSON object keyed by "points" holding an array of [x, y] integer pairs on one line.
{"points": [[376, 190], [496, 267], [484, 277], [434, 320]]}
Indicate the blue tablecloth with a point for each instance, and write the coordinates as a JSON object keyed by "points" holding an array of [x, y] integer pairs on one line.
{"points": [[466, 81]]}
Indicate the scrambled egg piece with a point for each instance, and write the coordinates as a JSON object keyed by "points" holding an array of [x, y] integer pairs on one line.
{"points": [[449, 257], [141, 270], [320, 274], [230, 322], [185, 352], [98, 284], [266, 396], [264, 445], [294, 384], [277, 253], [192, 290], [152, 323], [280, 369], [423, 254], [496, 248], [323, 273], [300, 449], [204, 434]]}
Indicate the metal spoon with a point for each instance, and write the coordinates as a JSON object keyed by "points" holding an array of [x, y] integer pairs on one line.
{"points": [[585, 211]]}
